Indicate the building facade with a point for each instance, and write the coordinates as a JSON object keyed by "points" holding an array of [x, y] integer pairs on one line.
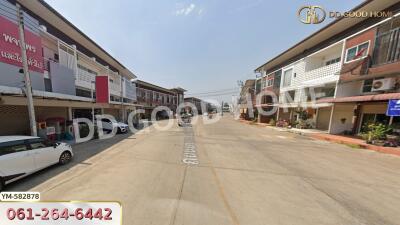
{"points": [[247, 99], [343, 76], [201, 106], [151, 96], [71, 75]]}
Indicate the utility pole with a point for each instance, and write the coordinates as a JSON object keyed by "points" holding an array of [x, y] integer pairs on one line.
{"points": [[222, 109], [28, 85]]}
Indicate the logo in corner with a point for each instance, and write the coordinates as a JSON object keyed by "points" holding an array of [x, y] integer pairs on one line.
{"points": [[311, 14]]}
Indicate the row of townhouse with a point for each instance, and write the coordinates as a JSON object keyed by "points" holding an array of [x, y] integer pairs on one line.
{"points": [[340, 78], [201, 105], [71, 75], [151, 96]]}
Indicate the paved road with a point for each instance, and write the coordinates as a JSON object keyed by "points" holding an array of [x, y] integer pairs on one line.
{"points": [[246, 175]]}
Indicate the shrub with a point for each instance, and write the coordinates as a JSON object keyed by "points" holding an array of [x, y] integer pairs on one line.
{"points": [[375, 132]]}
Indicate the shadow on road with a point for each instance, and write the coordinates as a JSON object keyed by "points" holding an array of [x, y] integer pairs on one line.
{"points": [[82, 152]]}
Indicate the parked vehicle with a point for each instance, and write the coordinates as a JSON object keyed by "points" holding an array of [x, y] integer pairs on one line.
{"points": [[21, 156], [185, 119], [108, 126]]}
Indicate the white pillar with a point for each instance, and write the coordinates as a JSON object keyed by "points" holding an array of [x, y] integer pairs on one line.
{"points": [[70, 116], [331, 119]]}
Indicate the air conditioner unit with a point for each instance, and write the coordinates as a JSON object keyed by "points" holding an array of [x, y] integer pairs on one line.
{"points": [[383, 84]]}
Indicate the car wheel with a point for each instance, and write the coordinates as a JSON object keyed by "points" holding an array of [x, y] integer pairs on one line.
{"points": [[65, 158]]}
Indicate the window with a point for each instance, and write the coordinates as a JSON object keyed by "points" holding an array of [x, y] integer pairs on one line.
{"points": [[111, 80], [332, 61], [12, 147], [368, 118], [387, 43], [287, 77], [277, 79], [270, 82], [39, 143], [357, 52], [367, 87]]}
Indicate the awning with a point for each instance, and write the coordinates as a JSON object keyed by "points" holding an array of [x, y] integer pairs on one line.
{"points": [[362, 98], [305, 105]]}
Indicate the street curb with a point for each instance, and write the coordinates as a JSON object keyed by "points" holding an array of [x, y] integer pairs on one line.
{"points": [[385, 150], [338, 140]]}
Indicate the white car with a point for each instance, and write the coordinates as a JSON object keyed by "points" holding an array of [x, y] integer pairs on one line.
{"points": [[108, 126], [24, 155]]}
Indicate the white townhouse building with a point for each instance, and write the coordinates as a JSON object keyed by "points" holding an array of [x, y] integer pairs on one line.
{"points": [[342, 77], [71, 75]]}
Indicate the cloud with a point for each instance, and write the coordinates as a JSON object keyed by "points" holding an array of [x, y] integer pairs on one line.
{"points": [[185, 10]]}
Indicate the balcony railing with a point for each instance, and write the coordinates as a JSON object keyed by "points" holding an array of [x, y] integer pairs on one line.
{"points": [[85, 79], [115, 89], [387, 47], [322, 72]]}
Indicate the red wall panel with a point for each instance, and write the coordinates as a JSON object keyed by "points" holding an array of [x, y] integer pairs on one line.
{"points": [[102, 89]]}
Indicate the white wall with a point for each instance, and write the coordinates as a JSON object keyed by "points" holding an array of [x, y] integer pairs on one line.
{"points": [[342, 111], [349, 89]]}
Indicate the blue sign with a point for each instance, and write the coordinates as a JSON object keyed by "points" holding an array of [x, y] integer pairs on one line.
{"points": [[393, 108]]}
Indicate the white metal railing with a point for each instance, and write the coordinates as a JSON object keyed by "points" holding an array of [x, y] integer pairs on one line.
{"points": [[324, 71], [85, 76], [85, 79], [129, 91], [115, 89]]}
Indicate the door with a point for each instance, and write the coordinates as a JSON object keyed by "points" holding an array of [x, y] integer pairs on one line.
{"points": [[324, 115], [15, 159], [43, 152]]}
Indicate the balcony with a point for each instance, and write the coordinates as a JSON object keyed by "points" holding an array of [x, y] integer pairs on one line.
{"points": [[85, 78], [387, 48], [328, 73], [115, 89]]}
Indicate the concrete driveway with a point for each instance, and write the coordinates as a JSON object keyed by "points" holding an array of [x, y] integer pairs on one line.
{"points": [[246, 175]]}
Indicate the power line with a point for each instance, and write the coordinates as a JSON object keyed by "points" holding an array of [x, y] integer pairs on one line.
{"points": [[216, 94], [215, 91]]}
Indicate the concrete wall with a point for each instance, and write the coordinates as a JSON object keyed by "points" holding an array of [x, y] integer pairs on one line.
{"points": [[342, 111], [349, 89]]}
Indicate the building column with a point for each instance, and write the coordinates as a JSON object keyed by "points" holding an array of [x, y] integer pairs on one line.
{"points": [[70, 116], [277, 114], [331, 119]]}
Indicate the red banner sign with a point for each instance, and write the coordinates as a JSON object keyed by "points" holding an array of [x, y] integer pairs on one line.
{"points": [[10, 50]]}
